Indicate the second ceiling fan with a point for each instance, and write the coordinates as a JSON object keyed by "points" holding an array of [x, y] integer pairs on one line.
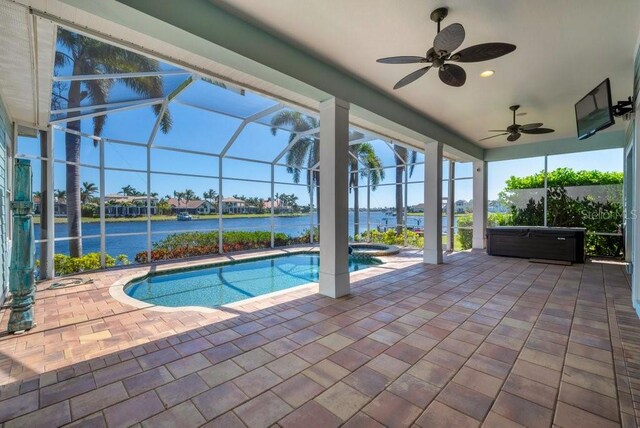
{"points": [[515, 131], [445, 42]]}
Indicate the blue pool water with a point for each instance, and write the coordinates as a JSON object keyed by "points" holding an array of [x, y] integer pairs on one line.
{"points": [[215, 286]]}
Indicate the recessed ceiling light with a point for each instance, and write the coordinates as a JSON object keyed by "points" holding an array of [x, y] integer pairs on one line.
{"points": [[487, 73]]}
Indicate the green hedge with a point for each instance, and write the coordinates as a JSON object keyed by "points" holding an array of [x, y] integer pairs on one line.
{"points": [[465, 236], [193, 244], [391, 237], [564, 177], [65, 265]]}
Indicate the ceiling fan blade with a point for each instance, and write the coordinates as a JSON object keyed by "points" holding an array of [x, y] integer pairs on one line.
{"points": [[411, 77], [494, 136], [497, 130], [513, 137], [449, 39], [402, 60], [538, 131], [452, 75], [530, 126], [483, 52]]}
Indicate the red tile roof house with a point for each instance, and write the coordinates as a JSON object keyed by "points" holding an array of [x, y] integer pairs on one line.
{"points": [[277, 206]]}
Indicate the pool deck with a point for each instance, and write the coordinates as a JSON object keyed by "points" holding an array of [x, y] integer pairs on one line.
{"points": [[476, 340]]}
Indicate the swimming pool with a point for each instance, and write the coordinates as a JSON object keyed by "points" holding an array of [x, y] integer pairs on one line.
{"points": [[212, 286]]}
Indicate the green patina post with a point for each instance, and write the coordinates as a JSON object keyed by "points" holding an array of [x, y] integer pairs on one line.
{"points": [[21, 271]]}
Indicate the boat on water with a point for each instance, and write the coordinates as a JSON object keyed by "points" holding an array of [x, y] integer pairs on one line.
{"points": [[184, 216]]}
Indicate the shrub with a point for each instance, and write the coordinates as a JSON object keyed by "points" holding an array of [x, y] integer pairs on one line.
{"points": [[90, 210], [391, 237], [193, 244], [599, 211], [465, 236], [65, 265], [564, 211]]}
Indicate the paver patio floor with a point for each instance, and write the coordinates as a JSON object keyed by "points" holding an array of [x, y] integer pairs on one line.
{"points": [[477, 340]]}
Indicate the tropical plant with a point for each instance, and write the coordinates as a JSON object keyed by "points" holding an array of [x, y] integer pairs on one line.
{"points": [[128, 190], [392, 237], [87, 192], [87, 56], [65, 265], [193, 244], [179, 197], [189, 195], [60, 195], [364, 154], [211, 196], [403, 156], [163, 207], [305, 152]]}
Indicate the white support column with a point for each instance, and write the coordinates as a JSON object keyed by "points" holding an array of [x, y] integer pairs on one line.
{"points": [[479, 205], [369, 206], [149, 202], [220, 231], [50, 201], [433, 203], [311, 223], [103, 226], [405, 217], [451, 202], [546, 190], [272, 205], [334, 198]]}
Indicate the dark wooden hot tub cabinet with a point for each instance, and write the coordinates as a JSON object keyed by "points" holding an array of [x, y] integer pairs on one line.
{"points": [[549, 243]]}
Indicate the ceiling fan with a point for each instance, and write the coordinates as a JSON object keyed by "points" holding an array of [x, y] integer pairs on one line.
{"points": [[515, 131], [445, 42]]}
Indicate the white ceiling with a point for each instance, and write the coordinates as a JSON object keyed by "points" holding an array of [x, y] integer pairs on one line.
{"points": [[564, 49]]}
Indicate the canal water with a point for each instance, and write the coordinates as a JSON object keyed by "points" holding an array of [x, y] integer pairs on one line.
{"points": [[133, 244]]}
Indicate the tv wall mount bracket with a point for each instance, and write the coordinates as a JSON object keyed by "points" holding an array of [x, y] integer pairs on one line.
{"points": [[622, 108]]}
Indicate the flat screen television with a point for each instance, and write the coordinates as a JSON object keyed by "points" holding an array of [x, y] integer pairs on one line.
{"points": [[593, 112]]}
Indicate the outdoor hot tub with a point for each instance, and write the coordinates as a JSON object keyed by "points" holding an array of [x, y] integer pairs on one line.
{"points": [[361, 249]]}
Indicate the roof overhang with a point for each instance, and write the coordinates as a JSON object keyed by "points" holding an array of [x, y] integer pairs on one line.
{"points": [[198, 29], [600, 141]]}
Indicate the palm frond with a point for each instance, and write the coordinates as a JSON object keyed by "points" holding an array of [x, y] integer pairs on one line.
{"points": [[97, 91]]}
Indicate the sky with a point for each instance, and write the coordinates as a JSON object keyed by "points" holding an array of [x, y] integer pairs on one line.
{"points": [[204, 131]]}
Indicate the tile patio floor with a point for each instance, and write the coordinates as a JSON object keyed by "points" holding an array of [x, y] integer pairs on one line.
{"points": [[477, 340]]}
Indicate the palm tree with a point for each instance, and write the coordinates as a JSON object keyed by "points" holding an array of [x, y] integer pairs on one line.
{"points": [[163, 207], [84, 56], [305, 151], [60, 195], [365, 154], [179, 196], [403, 156], [210, 195], [129, 190], [88, 190], [189, 195]]}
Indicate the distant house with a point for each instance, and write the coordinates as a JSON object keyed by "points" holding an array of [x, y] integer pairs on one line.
{"points": [[59, 207], [191, 207], [462, 206], [496, 207], [277, 206], [128, 206], [419, 208], [237, 206], [36, 205]]}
